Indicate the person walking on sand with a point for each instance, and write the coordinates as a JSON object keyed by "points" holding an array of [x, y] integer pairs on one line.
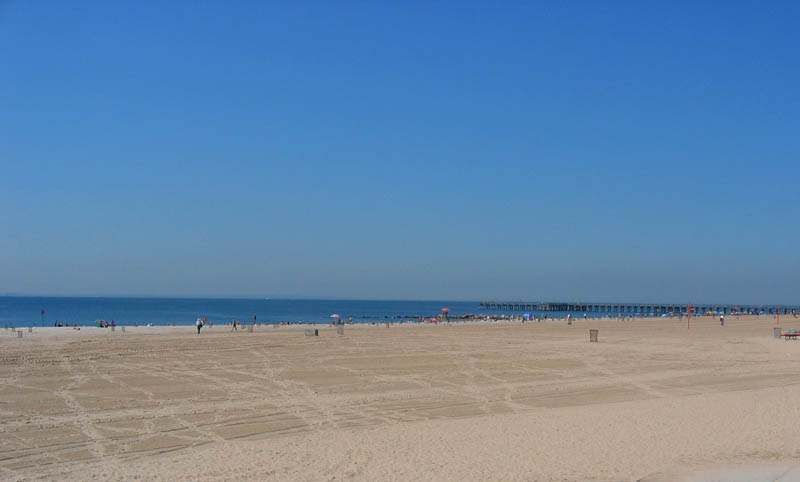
{"points": [[234, 326], [721, 320], [199, 324]]}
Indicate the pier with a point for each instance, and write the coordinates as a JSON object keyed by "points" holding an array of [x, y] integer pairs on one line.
{"points": [[635, 308]]}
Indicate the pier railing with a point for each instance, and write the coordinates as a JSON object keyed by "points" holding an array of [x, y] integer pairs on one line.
{"points": [[635, 308]]}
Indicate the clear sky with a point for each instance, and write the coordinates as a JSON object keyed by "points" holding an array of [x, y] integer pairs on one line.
{"points": [[620, 151]]}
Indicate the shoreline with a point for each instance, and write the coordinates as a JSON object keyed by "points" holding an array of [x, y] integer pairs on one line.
{"points": [[275, 327]]}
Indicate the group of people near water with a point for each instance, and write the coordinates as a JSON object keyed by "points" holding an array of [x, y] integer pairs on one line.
{"points": [[201, 322], [57, 324]]}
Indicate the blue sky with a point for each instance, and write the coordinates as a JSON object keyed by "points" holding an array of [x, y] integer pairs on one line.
{"points": [[620, 151]]}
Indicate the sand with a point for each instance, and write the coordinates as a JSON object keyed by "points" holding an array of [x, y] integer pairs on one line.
{"points": [[483, 401]]}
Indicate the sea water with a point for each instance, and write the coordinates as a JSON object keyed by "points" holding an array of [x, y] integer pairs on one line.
{"points": [[25, 311]]}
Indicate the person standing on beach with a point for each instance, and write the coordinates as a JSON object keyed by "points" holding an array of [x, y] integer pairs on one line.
{"points": [[234, 326], [199, 324], [721, 320]]}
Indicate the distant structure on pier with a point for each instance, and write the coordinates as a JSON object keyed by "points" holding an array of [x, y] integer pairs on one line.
{"points": [[634, 308]]}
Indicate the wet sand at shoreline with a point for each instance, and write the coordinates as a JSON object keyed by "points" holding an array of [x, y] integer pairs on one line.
{"points": [[475, 401]]}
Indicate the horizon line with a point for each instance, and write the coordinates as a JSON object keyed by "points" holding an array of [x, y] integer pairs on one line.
{"points": [[224, 297], [251, 297]]}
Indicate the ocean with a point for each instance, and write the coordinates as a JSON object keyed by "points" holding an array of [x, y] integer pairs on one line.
{"points": [[26, 310]]}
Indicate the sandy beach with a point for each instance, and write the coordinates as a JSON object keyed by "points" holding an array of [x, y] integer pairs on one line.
{"points": [[476, 401]]}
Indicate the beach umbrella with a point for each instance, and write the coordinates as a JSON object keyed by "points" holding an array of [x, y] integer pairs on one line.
{"points": [[336, 316]]}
